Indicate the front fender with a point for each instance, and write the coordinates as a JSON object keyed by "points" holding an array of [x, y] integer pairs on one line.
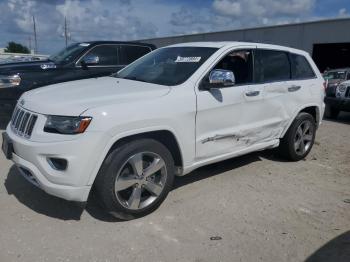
{"points": [[117, 137]]}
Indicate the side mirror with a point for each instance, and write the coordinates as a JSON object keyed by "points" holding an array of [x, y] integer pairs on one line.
{"points": [[224, 78], [219, 78], [90, 60]]}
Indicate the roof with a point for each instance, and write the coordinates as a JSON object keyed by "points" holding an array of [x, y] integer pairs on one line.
{"points": [[229, 44], [204, 44], [118, 42]]}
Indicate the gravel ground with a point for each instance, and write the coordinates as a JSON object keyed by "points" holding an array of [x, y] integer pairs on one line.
{"points": [[252, 208]]}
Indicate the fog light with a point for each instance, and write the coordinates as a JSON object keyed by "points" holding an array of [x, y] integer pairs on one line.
{"points": [[59, 164]]}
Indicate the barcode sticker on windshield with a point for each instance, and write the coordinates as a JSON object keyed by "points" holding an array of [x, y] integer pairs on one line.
{"points": [[190, 59]]}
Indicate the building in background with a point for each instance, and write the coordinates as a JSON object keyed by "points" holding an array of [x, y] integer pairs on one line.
{"points": [[328, 41], [9, 57]]}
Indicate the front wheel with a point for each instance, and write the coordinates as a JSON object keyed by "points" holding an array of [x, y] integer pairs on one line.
{"points": [[300, 137], [135, 178]]}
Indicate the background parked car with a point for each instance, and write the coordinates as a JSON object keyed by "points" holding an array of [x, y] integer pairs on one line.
{"points": [[337, 91], [339, 102], [77, 61], [334, 78]]}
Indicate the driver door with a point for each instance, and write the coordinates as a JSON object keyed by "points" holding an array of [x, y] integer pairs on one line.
{"points": [[227, 118]]}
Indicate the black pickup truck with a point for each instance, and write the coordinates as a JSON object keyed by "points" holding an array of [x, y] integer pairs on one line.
{"points": [[77, 61]]}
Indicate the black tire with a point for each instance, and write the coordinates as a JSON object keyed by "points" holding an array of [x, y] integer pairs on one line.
{"points": [[332, 112], [116, 160], [287, 146]]}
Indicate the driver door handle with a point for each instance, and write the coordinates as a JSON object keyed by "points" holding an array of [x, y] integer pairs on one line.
{"points": [[293, 88], [252, 93]]}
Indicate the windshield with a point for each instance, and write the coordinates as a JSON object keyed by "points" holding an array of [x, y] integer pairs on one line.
{"points": [[167, 66], [335, 75], [69, 54]]}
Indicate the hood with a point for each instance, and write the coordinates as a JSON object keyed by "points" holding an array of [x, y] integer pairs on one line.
{"points": [[75, 97], [18, 67]]}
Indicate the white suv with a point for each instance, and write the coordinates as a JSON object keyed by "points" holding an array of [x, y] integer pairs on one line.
{"points": [[168, 113]]}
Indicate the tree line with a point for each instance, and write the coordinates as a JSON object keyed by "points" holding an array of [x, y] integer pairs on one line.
{"points": [[13, 47]]}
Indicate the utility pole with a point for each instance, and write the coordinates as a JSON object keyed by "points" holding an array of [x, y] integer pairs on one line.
{"points": [[35, 40], [30, 43], [65, 30]]}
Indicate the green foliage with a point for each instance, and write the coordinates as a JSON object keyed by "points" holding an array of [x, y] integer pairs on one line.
{"points": [[13, 47]]}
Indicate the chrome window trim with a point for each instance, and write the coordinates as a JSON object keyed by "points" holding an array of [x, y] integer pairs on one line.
{"points": [[254, 82]]}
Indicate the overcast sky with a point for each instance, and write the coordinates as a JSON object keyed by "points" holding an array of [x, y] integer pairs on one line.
{"points": [[139, 19]]}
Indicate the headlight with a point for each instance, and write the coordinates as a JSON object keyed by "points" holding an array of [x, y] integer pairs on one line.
{"points": [[66, 124], [9, 81]]}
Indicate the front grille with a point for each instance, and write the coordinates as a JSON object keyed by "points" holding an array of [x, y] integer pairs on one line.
{"points": [[22, 122]]}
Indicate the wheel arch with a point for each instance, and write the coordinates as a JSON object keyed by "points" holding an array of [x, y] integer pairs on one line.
{"points": [[312, 109], [164, 136]]}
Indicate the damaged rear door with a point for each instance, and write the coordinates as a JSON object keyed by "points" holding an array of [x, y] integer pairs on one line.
{"points": [[272, 73]]}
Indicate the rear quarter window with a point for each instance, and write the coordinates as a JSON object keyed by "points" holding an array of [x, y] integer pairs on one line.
{"points": [[301, 69]]}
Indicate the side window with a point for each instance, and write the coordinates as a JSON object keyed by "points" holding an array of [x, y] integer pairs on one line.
{"points": [[240, 62], [271, 66], [129, 53], [301, 68], [348, 77], [107, 55]]}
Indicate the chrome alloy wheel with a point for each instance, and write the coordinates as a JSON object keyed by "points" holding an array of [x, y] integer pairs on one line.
{"points": [[303, 137], [140, 180]]}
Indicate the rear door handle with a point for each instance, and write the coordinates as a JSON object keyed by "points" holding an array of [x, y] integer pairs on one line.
{"points": [[293, 88], [252, 93]]}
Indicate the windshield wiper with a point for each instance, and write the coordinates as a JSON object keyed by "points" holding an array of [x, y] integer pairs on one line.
{"points": [[131, 78]]}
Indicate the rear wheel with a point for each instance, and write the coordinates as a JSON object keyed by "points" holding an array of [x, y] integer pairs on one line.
{"points": [[300, 137], [135, 178]]}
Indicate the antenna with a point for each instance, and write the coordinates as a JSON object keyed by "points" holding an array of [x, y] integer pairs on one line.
{"points": [[35, 40]]}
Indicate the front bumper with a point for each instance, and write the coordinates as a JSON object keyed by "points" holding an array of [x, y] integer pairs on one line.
{"points": [[34, 176], [342, 104], [71, 184]]}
